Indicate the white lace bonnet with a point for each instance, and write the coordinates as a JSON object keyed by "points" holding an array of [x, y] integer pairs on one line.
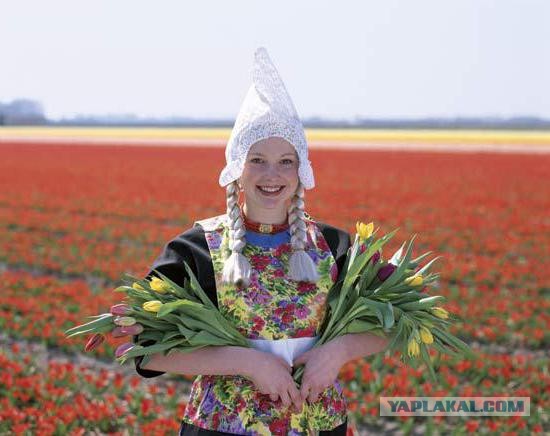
{"points": [[266, 111]]}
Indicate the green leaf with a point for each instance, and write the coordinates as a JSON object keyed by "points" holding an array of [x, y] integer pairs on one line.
{"points": [[422, 304], [426, 358], [413, 264], [360, 326], [453, 341], [174, 305], [195, 285], [105, 320], [170, 335], [152, 349], [207, 338], [154, 335], [427, 266], [187, 333]]}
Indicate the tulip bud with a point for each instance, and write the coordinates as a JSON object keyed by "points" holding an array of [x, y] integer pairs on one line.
{"points": [[374, 258], [159, 285], [152, 306], [137, 286], [426, 335], [121, 309], [124, 348], [386, 271], [94, 342], [415, 280], [124, 321], [121, 331], [440, 312], [412, 348]]}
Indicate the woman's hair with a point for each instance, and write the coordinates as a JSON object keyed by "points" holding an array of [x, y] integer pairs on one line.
{"points": [[237, 268], [301, 266]]}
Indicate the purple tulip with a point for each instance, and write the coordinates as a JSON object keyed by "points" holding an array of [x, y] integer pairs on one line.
{"points": [[123, 349], [121, 331], [121, 309], [386, 271], [375, 258]]}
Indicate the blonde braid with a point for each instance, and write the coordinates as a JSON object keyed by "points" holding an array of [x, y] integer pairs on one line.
{"points": [[301, 266], [236, 269]]}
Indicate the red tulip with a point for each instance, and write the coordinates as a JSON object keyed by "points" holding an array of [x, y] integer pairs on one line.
{"points": [[94, 342]]}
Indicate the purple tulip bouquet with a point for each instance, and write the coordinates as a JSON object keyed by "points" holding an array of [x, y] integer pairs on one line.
{"points": [[387, 298]]}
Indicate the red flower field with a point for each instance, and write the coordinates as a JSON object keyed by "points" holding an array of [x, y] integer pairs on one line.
{"points": [[74, 218]]}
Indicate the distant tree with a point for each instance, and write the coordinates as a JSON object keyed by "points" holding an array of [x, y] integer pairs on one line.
{"points": [[22, 111]]}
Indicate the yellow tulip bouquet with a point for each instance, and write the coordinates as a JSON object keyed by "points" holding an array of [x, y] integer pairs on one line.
{"points": [[386, 298]]}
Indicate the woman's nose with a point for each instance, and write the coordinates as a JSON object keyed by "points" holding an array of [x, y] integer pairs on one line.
{"points": [[272, 169]]}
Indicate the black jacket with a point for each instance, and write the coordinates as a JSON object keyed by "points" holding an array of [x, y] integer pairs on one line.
{"points": [[191, 247]]}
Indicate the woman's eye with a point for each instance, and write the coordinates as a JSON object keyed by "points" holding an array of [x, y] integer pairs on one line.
{"points": [[287, 161], [256, 160]]}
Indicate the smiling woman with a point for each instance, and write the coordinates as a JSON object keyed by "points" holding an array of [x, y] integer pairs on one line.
{"points": [[269, 180], [268, 267]]}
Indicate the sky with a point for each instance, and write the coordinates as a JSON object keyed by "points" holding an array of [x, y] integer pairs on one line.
{"points": [[339, 59]]}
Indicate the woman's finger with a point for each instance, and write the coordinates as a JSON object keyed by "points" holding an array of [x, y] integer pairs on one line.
{"points": [[285, 398], [274, 397], [295, 396], [313, 395], [284, 363], [304, 391]]}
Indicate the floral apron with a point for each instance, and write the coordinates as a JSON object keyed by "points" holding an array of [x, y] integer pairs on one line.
{"points": [[273, 307]]}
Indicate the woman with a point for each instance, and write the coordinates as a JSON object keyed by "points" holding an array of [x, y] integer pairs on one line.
{"points": [[268, 267]]}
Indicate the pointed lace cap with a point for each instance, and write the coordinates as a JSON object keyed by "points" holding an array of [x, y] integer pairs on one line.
{"points": [[266, 111]]}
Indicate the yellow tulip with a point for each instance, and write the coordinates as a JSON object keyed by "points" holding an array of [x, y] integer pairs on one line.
{"points": [[159, 285], [364, 230], [413, 349], [137, 286], [415, 280], [440, 312], [426, 335], [152, 306]]}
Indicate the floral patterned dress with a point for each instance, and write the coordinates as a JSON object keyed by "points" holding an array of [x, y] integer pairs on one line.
{"points": [[272, 307]]}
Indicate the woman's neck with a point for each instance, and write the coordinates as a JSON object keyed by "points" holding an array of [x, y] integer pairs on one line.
{"points": [[266, 216]]}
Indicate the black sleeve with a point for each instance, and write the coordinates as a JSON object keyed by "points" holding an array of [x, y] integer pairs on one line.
{"points": [[190, 247], [339, 241]]}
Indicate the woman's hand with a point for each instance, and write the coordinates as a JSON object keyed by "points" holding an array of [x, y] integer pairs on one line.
{"points": [[272, 376], [322, 365]]}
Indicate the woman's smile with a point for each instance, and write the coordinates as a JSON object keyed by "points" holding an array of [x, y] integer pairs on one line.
{"points": [[270, 190]]}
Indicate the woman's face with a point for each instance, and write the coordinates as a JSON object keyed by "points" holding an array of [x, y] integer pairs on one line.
{"points": [[269, 180]]}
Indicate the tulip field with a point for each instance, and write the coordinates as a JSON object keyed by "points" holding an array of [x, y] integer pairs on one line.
{"points": [[74, 218]]}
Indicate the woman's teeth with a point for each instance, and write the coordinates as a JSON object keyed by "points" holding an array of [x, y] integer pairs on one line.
{"points": [[270, 189]]}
